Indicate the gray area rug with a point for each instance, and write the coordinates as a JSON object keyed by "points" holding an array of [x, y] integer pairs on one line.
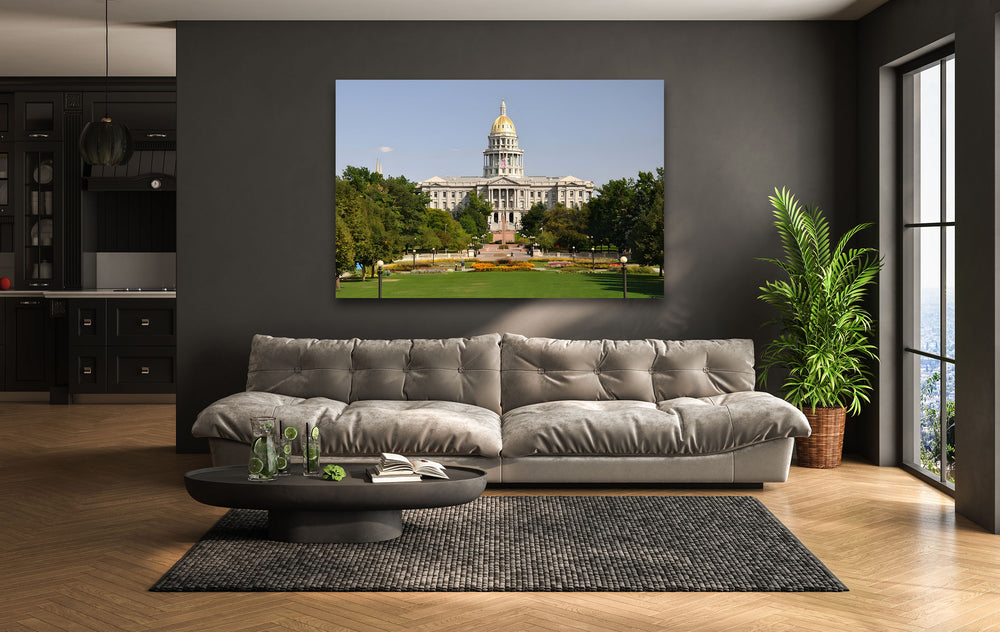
{"points": [[520, 543]]}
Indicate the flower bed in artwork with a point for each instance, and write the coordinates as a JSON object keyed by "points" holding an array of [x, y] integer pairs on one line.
{"points": [[489, 267]]}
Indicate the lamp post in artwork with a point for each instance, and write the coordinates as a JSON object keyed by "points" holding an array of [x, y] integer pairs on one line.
{"points": [[572, 253], [433, 254], [591, 258], [624, 260], [379, 264], [414, 260]]}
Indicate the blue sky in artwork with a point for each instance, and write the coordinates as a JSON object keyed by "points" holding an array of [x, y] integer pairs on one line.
{"points": [[595, 130]]}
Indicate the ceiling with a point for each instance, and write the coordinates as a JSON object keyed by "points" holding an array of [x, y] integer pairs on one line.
{"points": [[66, 37]]}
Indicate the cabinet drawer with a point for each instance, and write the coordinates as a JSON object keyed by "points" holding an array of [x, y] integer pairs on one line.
{"points": [[147, 322], [87, 322], [141, 370], [88, 370]]}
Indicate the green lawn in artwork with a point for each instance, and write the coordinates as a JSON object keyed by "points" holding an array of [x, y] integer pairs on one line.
{"points": [[526, 284]]}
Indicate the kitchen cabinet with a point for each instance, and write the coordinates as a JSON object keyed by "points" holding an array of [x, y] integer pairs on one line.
{"points": [[38, 116], [6, 117], [27, 344], [122, 345], [37, 199], [6, 189], [150, 116]]}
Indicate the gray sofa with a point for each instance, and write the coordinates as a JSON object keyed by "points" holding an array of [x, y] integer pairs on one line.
{"points": [[526, 410]]}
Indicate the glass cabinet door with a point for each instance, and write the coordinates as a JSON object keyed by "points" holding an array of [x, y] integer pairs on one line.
{"points": [[6, 214], [38, 198], [6, 192]]}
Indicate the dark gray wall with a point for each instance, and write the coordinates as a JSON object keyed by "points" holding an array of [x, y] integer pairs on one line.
{"points": [[897, 32], [749, 106]]}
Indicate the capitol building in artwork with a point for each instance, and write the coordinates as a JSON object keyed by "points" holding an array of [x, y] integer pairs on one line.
{"points": [[504, 185]]}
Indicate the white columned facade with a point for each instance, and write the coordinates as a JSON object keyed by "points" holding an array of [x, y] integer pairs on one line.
{"points": [[503, 184]]}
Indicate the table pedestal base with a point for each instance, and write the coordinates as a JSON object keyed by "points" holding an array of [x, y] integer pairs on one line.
{"points": [[334, 526]]}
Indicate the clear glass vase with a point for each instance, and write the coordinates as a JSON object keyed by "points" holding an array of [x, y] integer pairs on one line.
{"points": [[263, 464]]}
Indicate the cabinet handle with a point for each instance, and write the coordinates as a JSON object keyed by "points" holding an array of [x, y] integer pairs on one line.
{"points": [[29, 302], [38, 135], [144, 370], [156, 135], [37, 284], [87, 370], [144, 322], [87, 322]]}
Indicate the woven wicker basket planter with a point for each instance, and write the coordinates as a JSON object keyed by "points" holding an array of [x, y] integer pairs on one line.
{"points": [[824, 447]]}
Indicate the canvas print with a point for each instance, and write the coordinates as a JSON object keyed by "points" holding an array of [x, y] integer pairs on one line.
{"points": [[499, 189]]}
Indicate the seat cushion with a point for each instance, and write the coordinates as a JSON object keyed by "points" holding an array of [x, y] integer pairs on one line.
{"points": [[229, 417], [734, 420], [675, 427], [427, 427], [579, 427]]}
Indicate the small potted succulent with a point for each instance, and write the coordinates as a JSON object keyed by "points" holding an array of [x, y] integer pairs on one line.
{"points": [[824, 339]]}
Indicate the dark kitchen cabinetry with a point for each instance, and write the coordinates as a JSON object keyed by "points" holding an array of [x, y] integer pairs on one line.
{"points": [[38, 216], [38, 116], [150, 116], [6, 117], [27, 344], [6, 187], [122, 345]]}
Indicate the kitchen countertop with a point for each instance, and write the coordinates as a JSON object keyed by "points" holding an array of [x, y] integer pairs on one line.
{"points": [[86, 294]]}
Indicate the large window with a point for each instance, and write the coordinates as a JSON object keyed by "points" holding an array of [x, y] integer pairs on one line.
{"points": [[928, 266]]}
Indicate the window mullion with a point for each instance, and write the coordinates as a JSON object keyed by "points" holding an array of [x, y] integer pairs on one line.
{"points": [[942, 279]]}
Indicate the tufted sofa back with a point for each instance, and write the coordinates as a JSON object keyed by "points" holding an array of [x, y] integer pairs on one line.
{"points": [[477, 370], [535, 370], [465, 370]]}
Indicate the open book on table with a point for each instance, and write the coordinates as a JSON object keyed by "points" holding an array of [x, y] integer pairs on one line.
{"points": [[398, 468]]}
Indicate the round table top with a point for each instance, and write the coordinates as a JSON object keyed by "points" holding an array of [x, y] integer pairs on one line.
{"points": [[228, 486]]}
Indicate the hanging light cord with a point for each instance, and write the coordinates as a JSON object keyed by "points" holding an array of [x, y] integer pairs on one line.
{"points": [[107, 65]]}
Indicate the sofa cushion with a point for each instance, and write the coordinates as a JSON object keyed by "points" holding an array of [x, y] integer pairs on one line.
{"points": [[615, 427], [229, 417], [413, 427], [535, 370], [681, 426], [465, 370], [734, 420], [301, 367]]}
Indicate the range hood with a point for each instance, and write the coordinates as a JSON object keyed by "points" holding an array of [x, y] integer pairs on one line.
{"points": [[146, 170]]}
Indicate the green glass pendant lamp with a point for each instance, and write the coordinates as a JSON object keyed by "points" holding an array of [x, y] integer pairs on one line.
{"points": [[106, 142]]}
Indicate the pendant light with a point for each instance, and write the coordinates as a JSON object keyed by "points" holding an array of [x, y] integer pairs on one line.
{"points": [[105, 142]]}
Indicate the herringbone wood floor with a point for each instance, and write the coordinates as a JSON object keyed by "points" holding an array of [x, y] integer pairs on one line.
{"points": [[94, 511]]}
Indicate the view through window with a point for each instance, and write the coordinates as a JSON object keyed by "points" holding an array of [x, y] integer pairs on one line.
{"points": [[928, 233]]}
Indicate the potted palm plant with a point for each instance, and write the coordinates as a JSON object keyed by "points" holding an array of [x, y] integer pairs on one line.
{"points": [[824, 339]]}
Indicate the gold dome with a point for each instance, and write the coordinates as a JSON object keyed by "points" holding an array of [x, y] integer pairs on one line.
{"points": [[503, 124]]}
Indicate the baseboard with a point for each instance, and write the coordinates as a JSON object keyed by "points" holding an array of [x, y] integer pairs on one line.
{"points": [[124, 398], [24, 396]]}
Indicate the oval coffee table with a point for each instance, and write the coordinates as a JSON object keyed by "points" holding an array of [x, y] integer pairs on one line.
{"points": [[302, 509]]}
